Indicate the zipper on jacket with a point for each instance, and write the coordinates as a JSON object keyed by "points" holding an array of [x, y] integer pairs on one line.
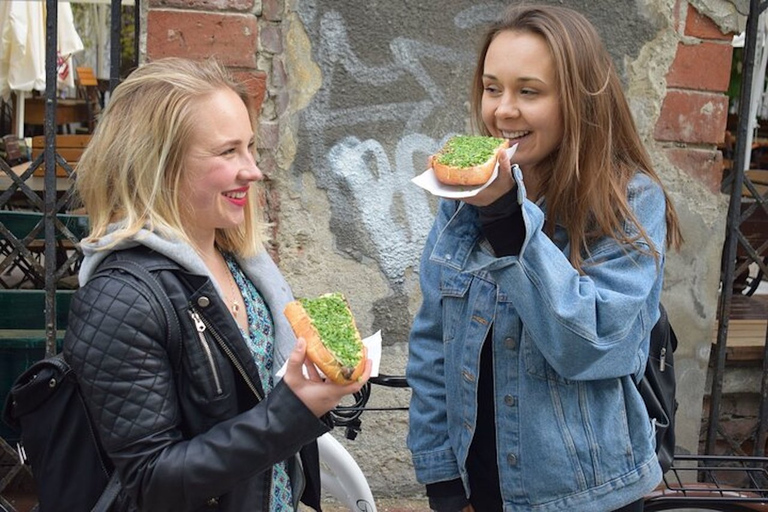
{"points": [[202, 325], [662, 359]]}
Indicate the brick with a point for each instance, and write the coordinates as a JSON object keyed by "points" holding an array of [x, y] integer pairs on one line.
{"points": [[279, 75], [205, 5], [271, 39], [272, 10], [689, 72], [256, 83], [233, 38], [698, 25], [705, 166], [692, 117]]}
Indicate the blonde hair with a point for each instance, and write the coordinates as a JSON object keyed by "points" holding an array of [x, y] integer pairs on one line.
{"points": [[601, 150], [131, 170]]}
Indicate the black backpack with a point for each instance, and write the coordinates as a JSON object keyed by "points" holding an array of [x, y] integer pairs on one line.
{"points": [[657, 387], [69, 465]]}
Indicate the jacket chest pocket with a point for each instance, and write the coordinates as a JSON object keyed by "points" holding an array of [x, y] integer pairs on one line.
{"points": [[208, 371], [454, 287]]}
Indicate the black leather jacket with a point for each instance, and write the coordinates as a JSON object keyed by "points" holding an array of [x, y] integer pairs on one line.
{"points": [[182, 424]]}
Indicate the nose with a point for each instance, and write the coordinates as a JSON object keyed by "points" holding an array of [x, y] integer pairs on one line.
{"points": [[250, 171], [507, 107]]}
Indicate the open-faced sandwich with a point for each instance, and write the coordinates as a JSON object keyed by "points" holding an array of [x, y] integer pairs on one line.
{"points": [[333, 341], [467, 160]]}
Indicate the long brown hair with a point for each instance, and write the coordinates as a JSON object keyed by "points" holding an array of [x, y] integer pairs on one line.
{"points": [[601, 150]]}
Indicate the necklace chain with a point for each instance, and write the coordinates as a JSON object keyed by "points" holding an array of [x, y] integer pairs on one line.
{"points": [[233, 287], [234, 292]]}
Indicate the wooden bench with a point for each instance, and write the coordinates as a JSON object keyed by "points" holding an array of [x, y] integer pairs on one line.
{"points": [[70, 147], [747, 324], [22, 335]]}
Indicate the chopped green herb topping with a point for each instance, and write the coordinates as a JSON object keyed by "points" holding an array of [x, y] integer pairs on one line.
{"points": [[468, 150], [331, 318]]}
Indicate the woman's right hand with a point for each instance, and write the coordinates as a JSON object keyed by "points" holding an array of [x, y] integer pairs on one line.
{"points": [[503, 183], [318, 394]]}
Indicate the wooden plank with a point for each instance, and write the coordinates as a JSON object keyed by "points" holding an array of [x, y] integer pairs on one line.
{"points": [[86, 77], [70, 147]]}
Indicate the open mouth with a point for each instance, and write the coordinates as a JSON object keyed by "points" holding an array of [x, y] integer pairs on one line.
{"points": [[514, 136], [236, 195]]}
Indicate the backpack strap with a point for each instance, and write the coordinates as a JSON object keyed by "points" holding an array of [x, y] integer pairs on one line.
{"points": [[108, 495], [173, 328], [173, 333]]}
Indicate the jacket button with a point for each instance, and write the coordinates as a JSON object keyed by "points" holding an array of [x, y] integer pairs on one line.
{"points": [[203, 302], [213, 502], [509, 400], [510, 343], [511, 459]]}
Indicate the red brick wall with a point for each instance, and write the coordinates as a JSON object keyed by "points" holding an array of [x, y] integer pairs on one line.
{"points": [[695, 111]]}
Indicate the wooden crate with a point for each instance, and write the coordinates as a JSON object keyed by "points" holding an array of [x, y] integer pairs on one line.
{"points": [[70, 147]]}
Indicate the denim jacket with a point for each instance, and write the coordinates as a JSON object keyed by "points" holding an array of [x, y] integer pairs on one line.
{"points": [[571, 429]]}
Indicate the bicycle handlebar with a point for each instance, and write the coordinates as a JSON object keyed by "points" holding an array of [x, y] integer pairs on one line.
{"points": [[390, 381]]}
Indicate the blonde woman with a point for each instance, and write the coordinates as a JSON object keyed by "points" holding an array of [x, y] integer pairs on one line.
{"points": [[540, 292], [169, 181]]}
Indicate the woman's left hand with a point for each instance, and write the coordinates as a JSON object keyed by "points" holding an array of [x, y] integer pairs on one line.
{"points": [[503, 183]]}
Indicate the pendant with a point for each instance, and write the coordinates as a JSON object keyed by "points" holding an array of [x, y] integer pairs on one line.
{"points": [[235, 308]]}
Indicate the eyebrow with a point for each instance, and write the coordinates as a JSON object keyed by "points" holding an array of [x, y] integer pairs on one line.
{"points": [[233, 142], [522, 79]]}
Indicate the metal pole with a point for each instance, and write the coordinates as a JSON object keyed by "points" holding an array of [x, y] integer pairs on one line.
{"points": [[49, 193], [136, 32], [116, 22], [734, 210]]}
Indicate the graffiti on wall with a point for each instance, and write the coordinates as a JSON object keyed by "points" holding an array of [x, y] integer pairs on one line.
{"points": [[376, 118]]}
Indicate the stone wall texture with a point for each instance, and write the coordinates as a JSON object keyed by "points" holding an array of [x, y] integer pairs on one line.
{"points": [[354, 95]]}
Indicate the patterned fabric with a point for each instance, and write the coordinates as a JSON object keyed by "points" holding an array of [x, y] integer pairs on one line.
{"points": [[260, 339]]}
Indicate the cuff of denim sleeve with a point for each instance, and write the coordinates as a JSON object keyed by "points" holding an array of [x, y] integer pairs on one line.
{"points": [[447, 496]]}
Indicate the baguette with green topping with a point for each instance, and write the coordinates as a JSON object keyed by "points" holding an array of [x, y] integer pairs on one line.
{"points": [[333, 341], [467, 160]]}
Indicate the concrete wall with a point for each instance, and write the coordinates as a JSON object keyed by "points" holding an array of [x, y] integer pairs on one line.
{"points": [[354, 97]]}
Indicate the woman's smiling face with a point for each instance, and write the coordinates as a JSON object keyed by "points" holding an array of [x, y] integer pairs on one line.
{"points": [[520, 99], [219, 167]]}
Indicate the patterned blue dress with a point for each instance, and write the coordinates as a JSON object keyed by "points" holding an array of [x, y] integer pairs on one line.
{"points": [[260, 339]]}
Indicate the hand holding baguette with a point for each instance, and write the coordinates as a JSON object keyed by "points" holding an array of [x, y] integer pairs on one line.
{"points": [[333, 341], [318, 394]]}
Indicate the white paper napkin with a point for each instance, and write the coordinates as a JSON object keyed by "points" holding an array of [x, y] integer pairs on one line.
{"points": [[429, 182]]}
